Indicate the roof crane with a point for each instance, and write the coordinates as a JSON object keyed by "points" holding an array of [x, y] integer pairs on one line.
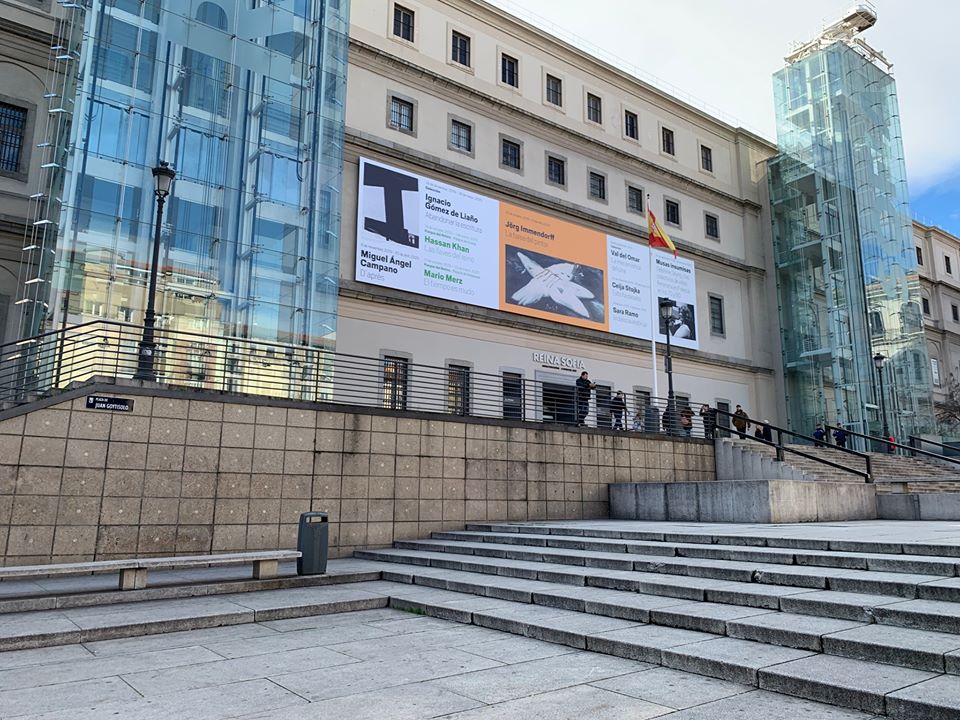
{"points": [[860, 17]]}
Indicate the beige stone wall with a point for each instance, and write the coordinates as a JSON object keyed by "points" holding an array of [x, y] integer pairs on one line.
{"points": [[184, 475]]}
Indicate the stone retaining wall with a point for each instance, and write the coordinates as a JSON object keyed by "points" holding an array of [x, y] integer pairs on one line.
{"points": [[191, 472]]}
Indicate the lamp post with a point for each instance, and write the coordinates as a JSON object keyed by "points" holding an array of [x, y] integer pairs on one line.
{"points": [[878, 361], [163, 176], [666, 315]]}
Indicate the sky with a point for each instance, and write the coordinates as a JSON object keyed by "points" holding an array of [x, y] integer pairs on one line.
{"points": [[723, 53]]}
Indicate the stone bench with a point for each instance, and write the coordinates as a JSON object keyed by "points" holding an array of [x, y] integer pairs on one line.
{"points": [[133, 572]]}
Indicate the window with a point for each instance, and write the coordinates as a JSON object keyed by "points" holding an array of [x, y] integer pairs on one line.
{"points": [[947, 265], [926, 306], [634, 199], [604, 395], [717, 325], [712, 223], [510, 154], [631, 125], [598, 186], [395, 373], [554, 91], [13, 127], [875, 320], [509, 70], [671, 212], [667, 141], [920, 256], [403, 23], [512, 396], [594, 108], [935, 371], [556, 170], [461, 136], [955, 311], [460, 49], [401, 114], [458, 389], [723, 420], [706, 158]]}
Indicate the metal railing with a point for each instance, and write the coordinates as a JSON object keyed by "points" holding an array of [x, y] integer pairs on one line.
{"points": [[781, 448], [888, 443], [917, 443], [39, 366]]}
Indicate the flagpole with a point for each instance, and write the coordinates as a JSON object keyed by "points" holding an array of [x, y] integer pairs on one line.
{"points": [[654, 312]]}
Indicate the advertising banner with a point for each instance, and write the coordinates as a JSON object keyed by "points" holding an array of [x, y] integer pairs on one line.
{"points": [[427, 237]]}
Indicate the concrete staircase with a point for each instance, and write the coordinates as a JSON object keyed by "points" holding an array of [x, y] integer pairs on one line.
{"points": [[868, 625], [886, 468]]}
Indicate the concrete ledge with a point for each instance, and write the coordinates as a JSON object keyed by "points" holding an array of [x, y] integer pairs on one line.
{"points": [[918, 506], [752, 501]]}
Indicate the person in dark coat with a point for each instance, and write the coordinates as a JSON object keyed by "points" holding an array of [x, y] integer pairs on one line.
{"points": [[819, 436], [709, 419], [741, 421], [618, 409], [584, 387], [840, 436]]}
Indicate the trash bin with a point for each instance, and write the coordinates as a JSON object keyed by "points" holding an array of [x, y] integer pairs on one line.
{"points": [[312, 542]]}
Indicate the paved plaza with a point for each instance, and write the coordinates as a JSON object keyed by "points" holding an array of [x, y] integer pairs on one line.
{"points": [[365, 665]]}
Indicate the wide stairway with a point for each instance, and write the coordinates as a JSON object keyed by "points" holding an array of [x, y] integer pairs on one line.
{"points": [[920, 474], [872, 625]]}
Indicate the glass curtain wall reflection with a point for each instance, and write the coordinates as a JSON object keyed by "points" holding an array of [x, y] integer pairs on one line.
{"points": [[845, 263], [246, 101]]}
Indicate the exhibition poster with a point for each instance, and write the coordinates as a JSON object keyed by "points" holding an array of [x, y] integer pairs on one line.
{"points": [[423, 236]]}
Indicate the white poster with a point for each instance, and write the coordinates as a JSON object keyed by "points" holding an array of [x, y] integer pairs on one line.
{"points": [[427, 237]]}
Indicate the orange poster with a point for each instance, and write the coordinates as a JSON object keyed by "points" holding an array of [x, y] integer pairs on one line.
{"points": [[552, 269]]}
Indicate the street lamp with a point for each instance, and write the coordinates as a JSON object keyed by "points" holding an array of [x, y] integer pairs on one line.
{"points": [[878, 361], [666, 315], [163, 176]]}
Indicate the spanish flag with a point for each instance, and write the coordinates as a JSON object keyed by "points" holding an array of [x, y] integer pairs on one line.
{"points": [[656, 235]]}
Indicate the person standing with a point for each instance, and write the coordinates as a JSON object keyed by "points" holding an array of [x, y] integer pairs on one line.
{"points": [[819, 436], [741, 421], [686, 421], [840, 436], [584, 387], [709, 419], [618, 409]]}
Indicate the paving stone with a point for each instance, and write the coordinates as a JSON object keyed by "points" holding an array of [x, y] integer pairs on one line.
{"points": [[628, 606], [672, 688], [846, 606], [228, 701], [209, 674], [919, 649], [753, 594], [850, 683], [643, 642], [44, 656], [405, 702], [315, 621], [186, 638], [573, 703], [573, 630], [803, 632], [760, 705], [947, 589], [280, 642], [537, 676], [396, 646], [21, 701], [729, 658], [706, 617], [935, 699], [331, 682], [511, 650], [880, 583]]}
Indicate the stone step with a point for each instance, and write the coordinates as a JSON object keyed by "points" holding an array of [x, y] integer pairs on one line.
{"points": [[840, 579], [906, 647], [899, 692], [922, 614], [716, 537], [917, 564]]}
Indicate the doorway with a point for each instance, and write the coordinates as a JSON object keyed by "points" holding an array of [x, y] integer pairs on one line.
{"points": [[558, 403]]}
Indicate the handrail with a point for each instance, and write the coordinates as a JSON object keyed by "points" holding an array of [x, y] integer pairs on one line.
{"points": [[892, 443], [781, 448], [930, 442]]}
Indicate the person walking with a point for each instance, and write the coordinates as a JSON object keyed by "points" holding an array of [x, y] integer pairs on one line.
{"points": [[708, 417], [584, 388], [618, 409], [741, 421], [840, 436]]}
